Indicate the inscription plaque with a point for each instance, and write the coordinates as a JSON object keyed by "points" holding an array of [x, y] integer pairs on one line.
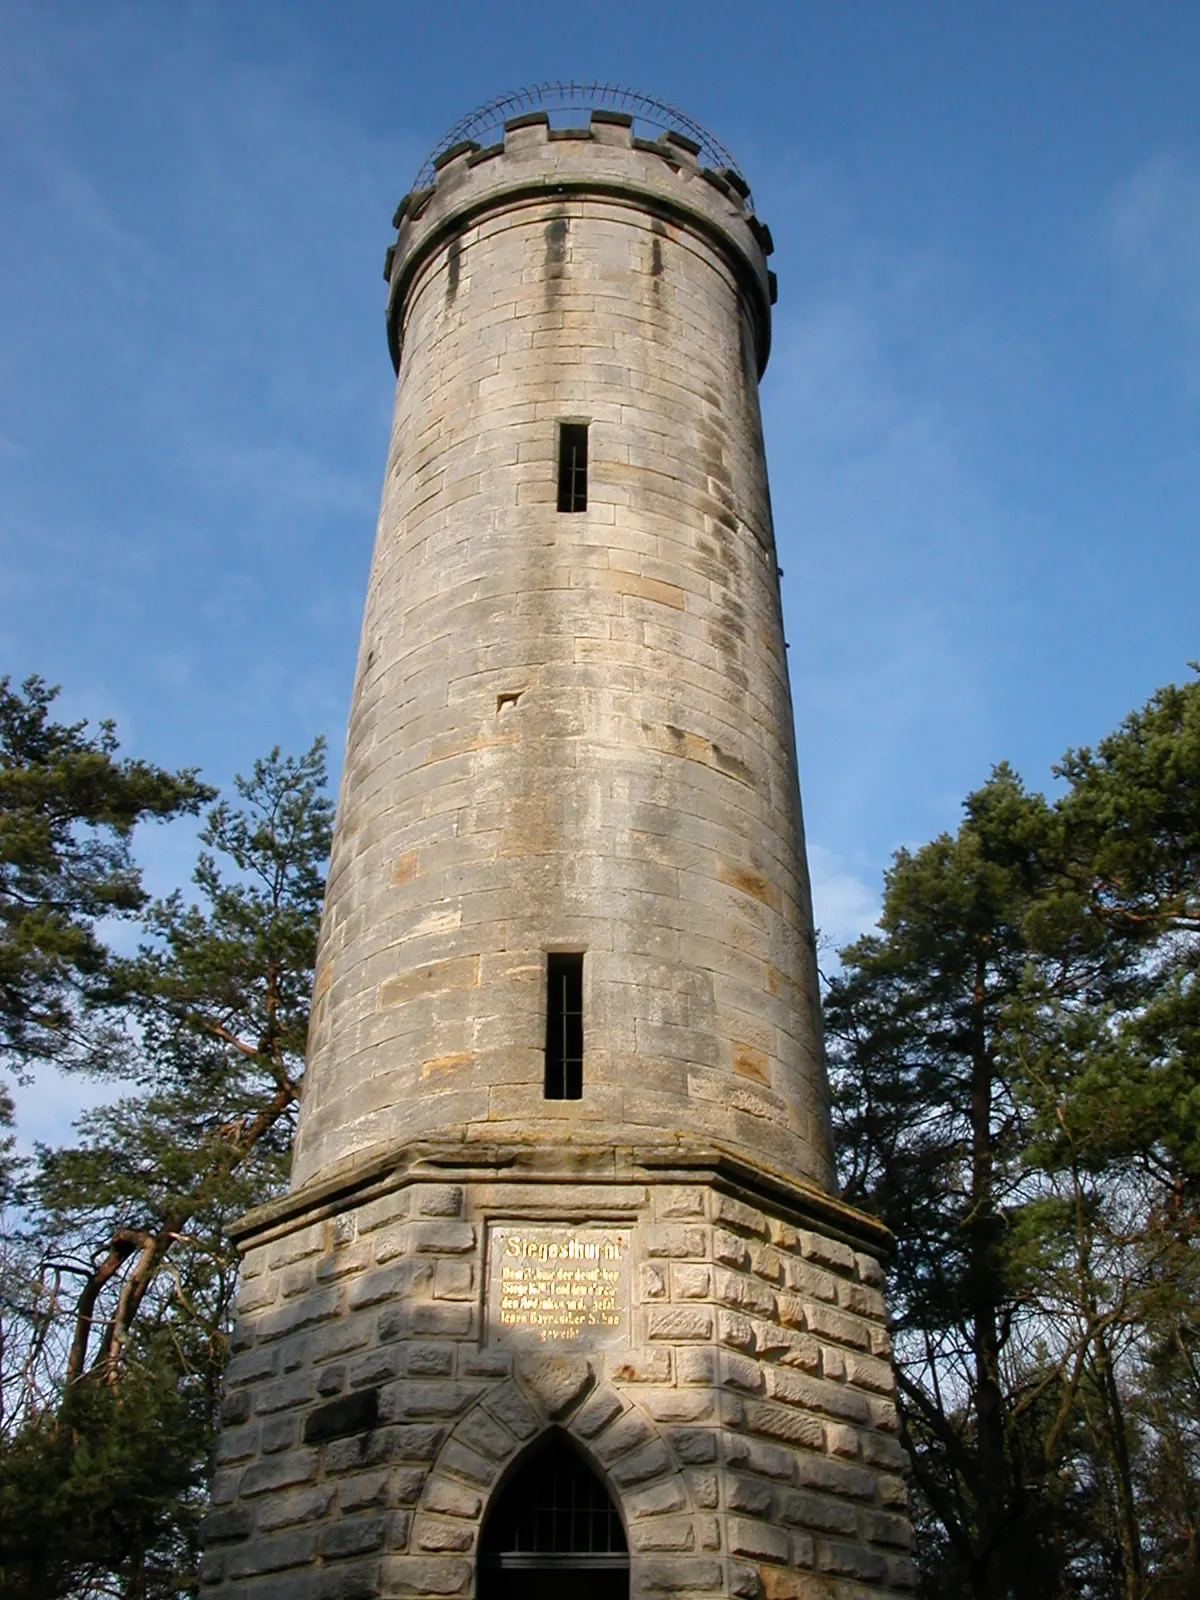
{"points": [[556, 1284]]}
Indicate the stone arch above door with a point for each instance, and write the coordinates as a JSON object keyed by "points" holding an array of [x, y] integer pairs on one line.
{"points": [[669, 1528]]}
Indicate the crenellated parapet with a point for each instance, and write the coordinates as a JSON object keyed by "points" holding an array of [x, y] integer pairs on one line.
{"points": [[533, 161]]}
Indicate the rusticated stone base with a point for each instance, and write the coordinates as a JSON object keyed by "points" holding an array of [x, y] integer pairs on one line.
{"points": [[743, 1421]]}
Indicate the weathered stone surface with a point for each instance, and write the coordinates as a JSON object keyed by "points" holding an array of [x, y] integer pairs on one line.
{"points": [[354, 1413], [752, 1538], [233, 1522], [351, 1536], [676, 1239], [754, 1482], [425, 1576], [679, 1202], [500, 637], [452, 1499], [278, 1472], [293, 1549], [568, 732], [677, 1323]]}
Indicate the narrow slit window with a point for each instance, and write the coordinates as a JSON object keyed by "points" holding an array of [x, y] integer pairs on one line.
{"points": [[572, 466], [564, 1027]]}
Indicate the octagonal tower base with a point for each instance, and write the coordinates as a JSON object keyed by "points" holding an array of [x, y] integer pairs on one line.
{"points": [[709, 1336]]}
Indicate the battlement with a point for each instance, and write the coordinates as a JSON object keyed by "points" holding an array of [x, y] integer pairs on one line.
{"points": [[535, 162]]}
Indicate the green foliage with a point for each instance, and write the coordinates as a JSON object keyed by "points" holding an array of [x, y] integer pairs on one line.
{"points": [[118, 1290], [68, 808], [1016, 1069], [1166, 1411], [931, 1136], [236, 974], [1133, 828], [1017, 1092], [106, 1495]]}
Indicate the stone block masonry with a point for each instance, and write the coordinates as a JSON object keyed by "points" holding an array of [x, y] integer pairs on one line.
{"points": [[570, 752], [573, 731], [744, 1424]]}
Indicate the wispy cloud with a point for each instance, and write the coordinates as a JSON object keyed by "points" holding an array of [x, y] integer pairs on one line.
{"points": [[282, 481], [899, 588], [1153, 226], [1150, 227], [844, 904], [196, 241]]}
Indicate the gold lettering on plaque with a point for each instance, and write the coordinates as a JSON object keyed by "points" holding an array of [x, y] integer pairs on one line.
{"points": [[556, 1287]]}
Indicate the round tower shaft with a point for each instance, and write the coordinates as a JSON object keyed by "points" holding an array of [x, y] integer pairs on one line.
{"points": [[569, 823]]}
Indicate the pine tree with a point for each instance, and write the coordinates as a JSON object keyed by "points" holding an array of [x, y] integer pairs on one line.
{"points": [[1015, 1066], [128, 1271], [68, 809], [931, 1137]]}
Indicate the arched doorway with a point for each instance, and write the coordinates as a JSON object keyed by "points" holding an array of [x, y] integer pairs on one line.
{"points": [[553, 1531]]}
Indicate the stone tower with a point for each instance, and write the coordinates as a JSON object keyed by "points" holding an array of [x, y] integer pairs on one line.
{"points": [[562, 1292]]}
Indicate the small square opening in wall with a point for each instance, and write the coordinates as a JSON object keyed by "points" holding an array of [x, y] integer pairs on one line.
{"points": [[572, 466], [564, 1026]]}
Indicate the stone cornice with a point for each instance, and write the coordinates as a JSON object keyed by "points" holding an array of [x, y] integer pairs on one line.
{"points": [[669, 1161]]}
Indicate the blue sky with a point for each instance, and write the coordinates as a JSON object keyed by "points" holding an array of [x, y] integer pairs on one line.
{"points": [[981, 408]]}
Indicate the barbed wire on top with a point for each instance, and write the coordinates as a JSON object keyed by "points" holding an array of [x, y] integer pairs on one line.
{"points": [[562, 99]]}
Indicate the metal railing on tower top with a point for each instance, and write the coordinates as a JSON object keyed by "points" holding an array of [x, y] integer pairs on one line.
{"points": [[560, 101]]}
